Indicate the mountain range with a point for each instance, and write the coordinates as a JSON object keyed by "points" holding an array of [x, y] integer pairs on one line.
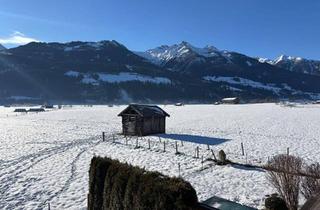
{"points": [[296, 64], [108, 72]]}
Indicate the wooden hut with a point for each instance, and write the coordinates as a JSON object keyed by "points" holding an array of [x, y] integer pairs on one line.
{"points": [[142, 120]]}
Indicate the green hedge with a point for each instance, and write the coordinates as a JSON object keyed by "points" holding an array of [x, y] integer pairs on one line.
{"points": [[117, 186]]}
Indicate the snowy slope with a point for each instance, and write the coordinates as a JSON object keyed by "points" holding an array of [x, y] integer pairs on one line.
{"points": [[45, 157], [244, 82], [88, 78]]}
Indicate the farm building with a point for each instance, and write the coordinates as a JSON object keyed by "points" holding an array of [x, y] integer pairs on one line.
{"points": [[36, 110], [317, 102], [142, 120], [21, 110], [47, 106], [234, 100]]}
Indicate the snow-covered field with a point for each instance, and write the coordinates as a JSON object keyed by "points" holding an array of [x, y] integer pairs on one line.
{"points": [[45, 157]]}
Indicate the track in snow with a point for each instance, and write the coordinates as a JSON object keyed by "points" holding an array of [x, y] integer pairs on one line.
{"points": [[15, 169]]}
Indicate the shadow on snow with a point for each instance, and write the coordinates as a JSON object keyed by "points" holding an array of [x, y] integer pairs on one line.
{"points": [[247, 167], [194, 138]]}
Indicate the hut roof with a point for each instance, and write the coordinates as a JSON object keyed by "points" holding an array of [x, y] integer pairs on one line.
{"points": [[145, 110], [36, 110], [20, 110]]}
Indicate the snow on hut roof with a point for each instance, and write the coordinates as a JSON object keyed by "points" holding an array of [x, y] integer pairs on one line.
{"points": [[146, 110]]}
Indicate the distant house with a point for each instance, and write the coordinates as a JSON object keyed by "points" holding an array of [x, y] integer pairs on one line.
{"points": [[21, 110], [317, 102], [36, 110], [48, 106], [234, 100], [142, 120]]}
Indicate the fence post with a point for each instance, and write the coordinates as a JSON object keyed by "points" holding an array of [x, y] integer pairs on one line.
{"points": [[197, 152], [103, 136], [164, 146], [202, 162], [181, 143], [137, 143], [113, 139], [213, 155], [242, 149], [179, 168], [48, 206], [159, 139], [149, 147], [177, 152], [288, 151], [208, 147]]}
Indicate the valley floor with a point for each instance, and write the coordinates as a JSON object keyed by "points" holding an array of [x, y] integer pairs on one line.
{"points": [[45, 157]]}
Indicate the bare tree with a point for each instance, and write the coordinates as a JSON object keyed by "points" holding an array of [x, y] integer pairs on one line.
{"points": [[283, 174], [310, 184]]}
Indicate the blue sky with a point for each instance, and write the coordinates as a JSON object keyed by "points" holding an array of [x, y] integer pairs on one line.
{"points": [[264, 28]]}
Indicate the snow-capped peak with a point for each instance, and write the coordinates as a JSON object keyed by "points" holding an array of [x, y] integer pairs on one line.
{"points": [[207, 51], [265, 60], [165, 53], [282, 58], [211, 48], [296, 64]]}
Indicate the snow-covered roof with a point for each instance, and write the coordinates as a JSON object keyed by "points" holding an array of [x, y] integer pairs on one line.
{"points": [[146, 110]]}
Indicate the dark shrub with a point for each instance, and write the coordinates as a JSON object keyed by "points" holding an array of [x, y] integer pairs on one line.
{"points": [[108, 184], [131, 195], [274, 202], [97, 173], [310, 184], [283, 174], [117, 186]]}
